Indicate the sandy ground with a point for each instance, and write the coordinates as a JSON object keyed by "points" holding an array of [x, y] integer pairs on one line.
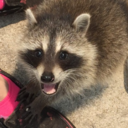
{"points": [[100, 107]]}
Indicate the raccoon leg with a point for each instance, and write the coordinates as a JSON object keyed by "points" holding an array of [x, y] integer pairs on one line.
{"points": [[31, 103], [126, 75], [28, 93], [32, 111], [26, 115]]}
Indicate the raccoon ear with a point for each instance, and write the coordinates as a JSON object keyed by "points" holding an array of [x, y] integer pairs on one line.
{"points": [[30, 16], [82, 22]]}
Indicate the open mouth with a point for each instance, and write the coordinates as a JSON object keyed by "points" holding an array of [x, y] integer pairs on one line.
{"points": [[49, 89]]}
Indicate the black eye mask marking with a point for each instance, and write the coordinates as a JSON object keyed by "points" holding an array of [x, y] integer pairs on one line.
{"points": [[68, 60], [32, 57]]}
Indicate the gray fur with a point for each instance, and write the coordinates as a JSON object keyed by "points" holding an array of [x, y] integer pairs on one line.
{"points": [[103, 46], [107, 34]]}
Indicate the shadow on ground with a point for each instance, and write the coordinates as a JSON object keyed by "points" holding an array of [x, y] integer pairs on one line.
{"points": [[11, 19]]}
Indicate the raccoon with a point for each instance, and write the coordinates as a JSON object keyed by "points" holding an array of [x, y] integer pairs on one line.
{"points": [[72, 44]]}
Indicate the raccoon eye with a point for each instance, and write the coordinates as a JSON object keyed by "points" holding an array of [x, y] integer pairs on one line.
{"points": [[63, 55], [38, 53]]}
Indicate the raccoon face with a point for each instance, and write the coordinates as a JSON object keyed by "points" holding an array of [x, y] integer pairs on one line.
{"points": [[60, 57]]}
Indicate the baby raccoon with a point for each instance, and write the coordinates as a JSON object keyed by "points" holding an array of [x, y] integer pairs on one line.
{"points": [[72, 44]]}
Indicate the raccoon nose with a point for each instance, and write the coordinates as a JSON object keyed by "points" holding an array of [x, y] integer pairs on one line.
{"points": [[47, 77]]}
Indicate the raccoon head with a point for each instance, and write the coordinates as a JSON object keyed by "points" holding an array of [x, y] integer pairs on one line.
{"points": [[59, 54]]}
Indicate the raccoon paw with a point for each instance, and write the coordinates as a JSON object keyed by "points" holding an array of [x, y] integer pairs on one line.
{"points": [[24, 96], [28, 93], [32, 112]]}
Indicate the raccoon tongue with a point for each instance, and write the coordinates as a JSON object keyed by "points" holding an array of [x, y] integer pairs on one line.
{"points": [[49, 89]]}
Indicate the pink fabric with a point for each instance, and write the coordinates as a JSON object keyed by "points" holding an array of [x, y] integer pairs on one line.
{"points": [[2, 3], [8, 104]]}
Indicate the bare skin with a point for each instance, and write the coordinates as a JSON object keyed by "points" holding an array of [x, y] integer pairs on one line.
{"points": [[3, 88]]}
